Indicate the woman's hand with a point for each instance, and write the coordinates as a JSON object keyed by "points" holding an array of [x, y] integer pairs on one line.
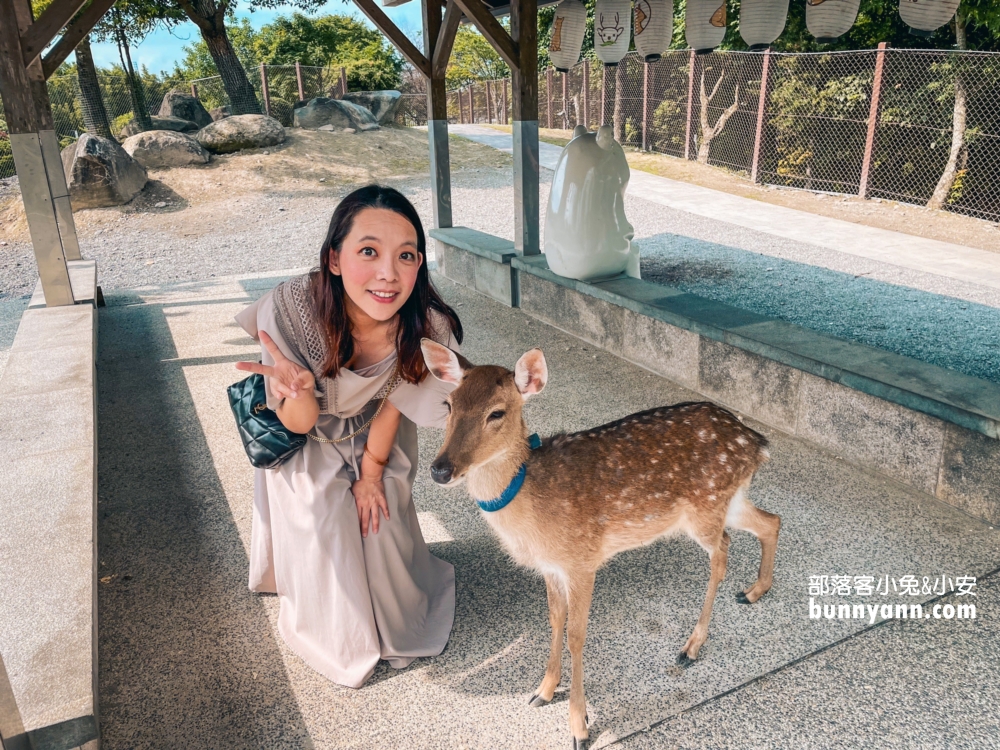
{"points": [[369, 495], [287, 379]]}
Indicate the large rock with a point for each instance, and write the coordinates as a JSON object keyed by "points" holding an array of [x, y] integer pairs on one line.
{"points": [[161, 149], [239, 132], [382, 104], [186, 107], [160, 123], [101, 173], [315, 113]]}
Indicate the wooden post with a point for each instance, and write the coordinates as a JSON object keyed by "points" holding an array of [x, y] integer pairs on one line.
{"points": [[645, 106], [472, 104], [604, 91], [263, 90], [585, 94], [761, 105], [565, 88], [872, 120], [461, 107], [524, 90], [690, 105], [548, 98], [194, 90], [503, 101], [36, 157], [343, 81], [437, 119], [298, 80], [489, 102]]}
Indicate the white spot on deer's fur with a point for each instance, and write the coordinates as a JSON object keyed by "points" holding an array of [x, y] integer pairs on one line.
{"points": [[602, 520], [628, 505], [656, 494], [701, 435], [711, 497], [711, 484], [652, 460], [741, 440], [649, 517], [660, 452], [714, 419], [722, 458]]}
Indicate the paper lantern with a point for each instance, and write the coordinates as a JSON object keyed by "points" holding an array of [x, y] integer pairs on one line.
{"points": [[568, 28], [653, 27], [704, 24], [762, 21], [828, 19], [923, 16], [612, 30]]}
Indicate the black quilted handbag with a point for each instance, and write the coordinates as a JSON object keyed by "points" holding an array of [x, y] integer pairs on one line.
{"points": [[267, 441]]}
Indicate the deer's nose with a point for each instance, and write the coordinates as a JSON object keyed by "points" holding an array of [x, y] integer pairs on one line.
{"points": [[441, 470]]}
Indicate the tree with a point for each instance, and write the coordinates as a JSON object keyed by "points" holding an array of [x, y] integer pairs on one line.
{"points": [[474, 59], [95, 116], [709, 131], [198, 63]]}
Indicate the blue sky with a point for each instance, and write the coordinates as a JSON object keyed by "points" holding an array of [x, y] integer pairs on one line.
{"points": [[161, 49]]}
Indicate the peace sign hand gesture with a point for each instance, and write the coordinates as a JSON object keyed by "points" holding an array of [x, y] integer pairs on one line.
{"points": [[287, 379]]}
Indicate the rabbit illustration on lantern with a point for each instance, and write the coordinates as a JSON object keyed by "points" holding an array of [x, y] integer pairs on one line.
{"points": [[609, 34]]}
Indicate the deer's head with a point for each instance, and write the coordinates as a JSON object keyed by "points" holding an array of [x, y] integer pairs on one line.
{"points": [[484, 421]]}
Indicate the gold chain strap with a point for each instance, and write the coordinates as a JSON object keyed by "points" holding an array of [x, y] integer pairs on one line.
{"points": [[393, 382]]}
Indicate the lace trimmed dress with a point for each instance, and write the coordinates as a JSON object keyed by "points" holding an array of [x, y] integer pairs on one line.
{"points": [[347, 601]]}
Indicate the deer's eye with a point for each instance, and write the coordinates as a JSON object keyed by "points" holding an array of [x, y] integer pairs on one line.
{"points": [[498, 414]]}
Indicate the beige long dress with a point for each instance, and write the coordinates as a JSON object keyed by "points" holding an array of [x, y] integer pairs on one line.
{"points": [[347, 601]]}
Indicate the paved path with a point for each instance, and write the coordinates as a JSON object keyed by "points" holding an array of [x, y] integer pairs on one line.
{"points": [[189, 658], [930, 256]]}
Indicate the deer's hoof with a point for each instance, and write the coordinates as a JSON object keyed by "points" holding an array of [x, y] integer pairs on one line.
{"points": [[537, 701], [741, 598], [579, 744], [684, 660]]}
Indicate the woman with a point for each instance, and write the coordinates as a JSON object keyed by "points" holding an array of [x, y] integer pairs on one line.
{"points": [[335, 533]]}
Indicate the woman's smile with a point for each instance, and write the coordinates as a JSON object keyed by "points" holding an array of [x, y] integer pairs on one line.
{"points": [[384, 297]]}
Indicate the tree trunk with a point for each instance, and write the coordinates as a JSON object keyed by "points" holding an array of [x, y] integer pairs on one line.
{"points": [[136, 90], [619, 120], [95, 116], [958, 121], [709, 131], [242, 96]]}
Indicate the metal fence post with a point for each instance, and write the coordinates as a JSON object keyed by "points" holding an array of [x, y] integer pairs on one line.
{"points": [[506, 119], [585, 97], [298, 80], [548, 97], [461, 106], [645, 106], [565, 88], [872, 120], [761, 101], [263, 90], [690, 106], [343, 81], [472, 103], [194, 90], [489, 102]]}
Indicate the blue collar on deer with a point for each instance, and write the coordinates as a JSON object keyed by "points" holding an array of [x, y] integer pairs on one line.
{"points": [[498, 503]]}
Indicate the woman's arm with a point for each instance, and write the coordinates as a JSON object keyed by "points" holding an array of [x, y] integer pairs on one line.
{"points": [[286, 380], [369, 492]]}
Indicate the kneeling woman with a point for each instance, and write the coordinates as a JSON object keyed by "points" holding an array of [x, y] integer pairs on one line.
{"points": [[335, 533]]}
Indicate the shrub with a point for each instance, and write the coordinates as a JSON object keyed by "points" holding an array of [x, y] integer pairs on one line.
{"points": [[6, 159]]}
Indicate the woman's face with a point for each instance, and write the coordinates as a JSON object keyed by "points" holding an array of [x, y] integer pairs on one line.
{"points": [[378, 262]]}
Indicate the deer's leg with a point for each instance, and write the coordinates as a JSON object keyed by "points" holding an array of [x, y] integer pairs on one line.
{"points": [[765, 527], [718, 558], [557, 618], [581, 591]]}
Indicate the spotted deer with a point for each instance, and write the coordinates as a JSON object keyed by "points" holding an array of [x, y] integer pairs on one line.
{"points": [[566, 506]]}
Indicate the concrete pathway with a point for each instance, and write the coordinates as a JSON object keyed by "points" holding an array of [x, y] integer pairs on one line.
{"points": [[917, 253], [189, 658]]}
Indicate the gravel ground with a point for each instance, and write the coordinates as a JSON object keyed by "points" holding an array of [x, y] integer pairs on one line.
{"points": [[932, 318]]}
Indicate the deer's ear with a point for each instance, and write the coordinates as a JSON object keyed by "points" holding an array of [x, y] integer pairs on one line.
{"points": [[531, 373], [443, 363]]}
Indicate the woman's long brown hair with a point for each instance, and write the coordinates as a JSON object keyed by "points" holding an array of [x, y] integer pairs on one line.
{"points": [[413, 317]]}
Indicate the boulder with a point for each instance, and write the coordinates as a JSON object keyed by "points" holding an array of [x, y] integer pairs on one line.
{"points": [[161, 149], [221, 113], [160, 123], [239, 132], [382, 104], [186, 107], [101, 173], [315, 113]]}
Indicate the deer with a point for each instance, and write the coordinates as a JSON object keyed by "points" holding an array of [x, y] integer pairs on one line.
{"points": [[566, 505]]}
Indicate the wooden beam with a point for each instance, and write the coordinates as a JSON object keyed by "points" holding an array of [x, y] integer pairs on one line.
{"points": [[74, 34], [384, 24], [490, 28], [38, 36], [446, 39], [15, 85]]}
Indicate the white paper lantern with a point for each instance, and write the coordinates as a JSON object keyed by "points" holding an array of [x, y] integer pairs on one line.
{"points": [[653, 27], [828, 19], [612, 30], [762, 21], [704, 24], [568, 28], [923, 16]]}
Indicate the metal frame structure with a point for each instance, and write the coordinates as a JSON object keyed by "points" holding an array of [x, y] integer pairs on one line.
{"points": [[24, 70]]}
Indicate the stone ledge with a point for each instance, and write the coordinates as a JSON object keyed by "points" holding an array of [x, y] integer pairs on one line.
{"points": [[479, 261], [48, 542], [948, 395], [478, 243], [83, 279]]}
